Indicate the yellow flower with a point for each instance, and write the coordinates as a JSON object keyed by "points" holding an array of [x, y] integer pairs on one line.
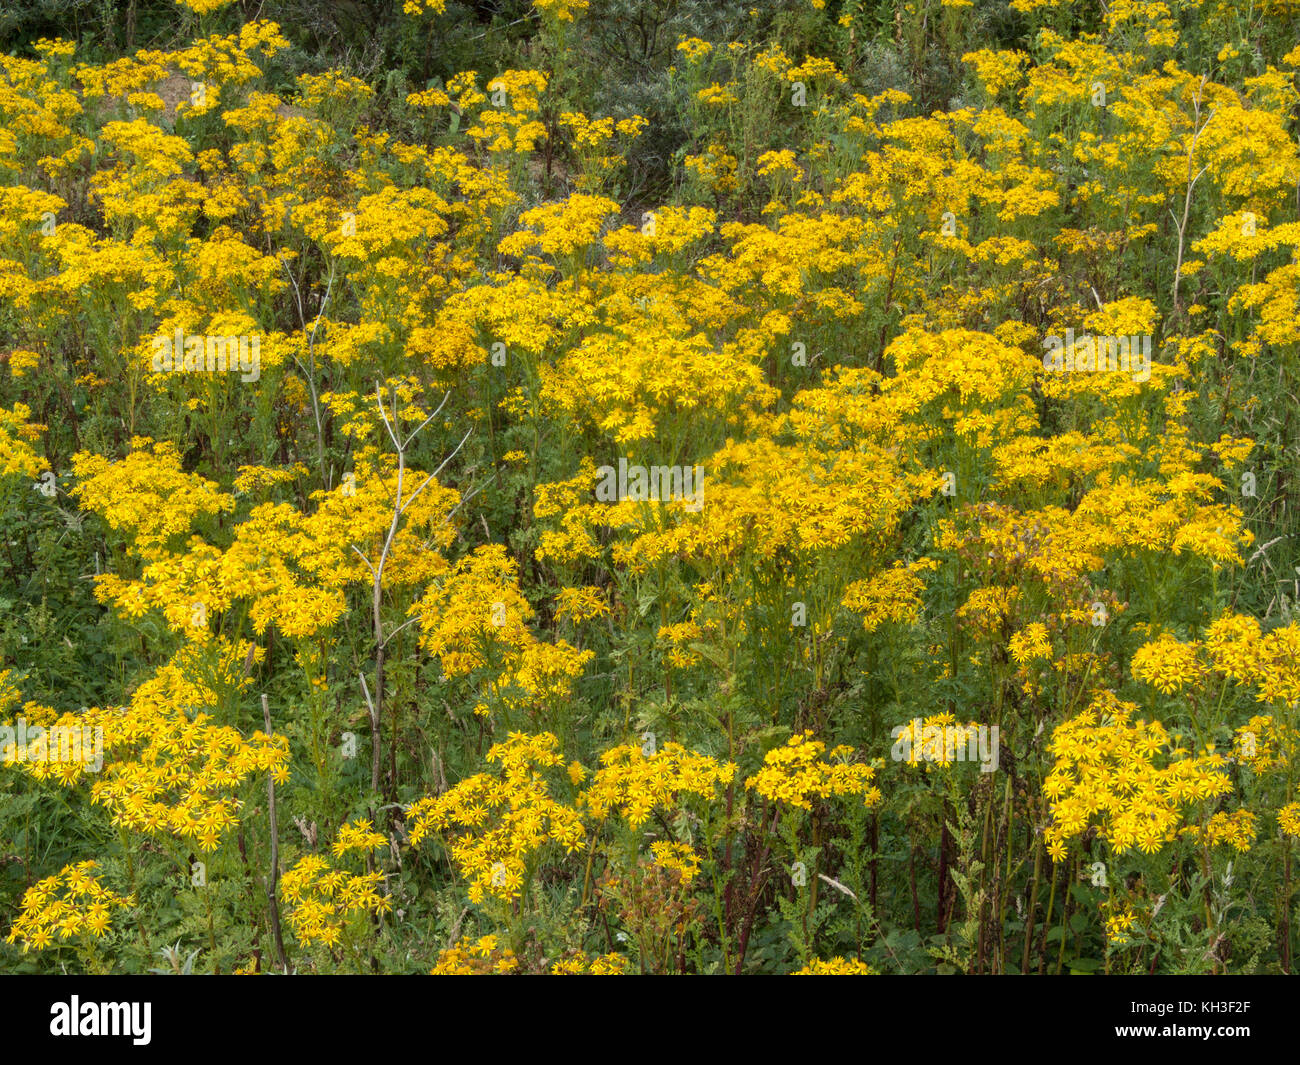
{"points": [[836, 967], [71, 903], [795, 774], [493, 823]]}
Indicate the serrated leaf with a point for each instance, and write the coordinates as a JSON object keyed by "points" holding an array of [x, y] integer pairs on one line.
{"points": [[716, 655]]}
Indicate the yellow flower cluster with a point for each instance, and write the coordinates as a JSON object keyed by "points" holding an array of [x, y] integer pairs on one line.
{"points": [[635, 784], [71, 903], [1124, 776], [1234, 646], [592, 141], [482, 957], [477, 615], [1236, 829], [510, 123], [290, 567], [601, 965], [561, 10], [495, 822], [938, 740], [1030, 644], [358, 836], [1264, 743], [16, 434], [1119, 922], [796, 773], [477, 619], [420, 7], [996, 71], [830, 325], [1288, 819], [321, 899], [560, 229], [694, 48], [147, 495], [171, 768], [1167, 664], [204, 7], [678, 856], [836, 967], [715, 168], [892, 595], [580, 604]]}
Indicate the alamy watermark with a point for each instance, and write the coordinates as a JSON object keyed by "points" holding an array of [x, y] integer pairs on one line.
{"points": [[77, 1018], [644, 483], [211, 354], [61, 744], [1098, 354], [944, 744]]}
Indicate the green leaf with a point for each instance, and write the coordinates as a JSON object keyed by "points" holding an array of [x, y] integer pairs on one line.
{"points": [[716, 655]]}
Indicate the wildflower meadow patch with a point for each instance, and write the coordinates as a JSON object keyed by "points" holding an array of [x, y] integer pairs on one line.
{"points": [[584, 487]]}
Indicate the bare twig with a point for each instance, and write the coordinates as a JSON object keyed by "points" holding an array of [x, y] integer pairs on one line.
{"points": [[401, 504], [374, 746], [310, 374], [1191, 184]]}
